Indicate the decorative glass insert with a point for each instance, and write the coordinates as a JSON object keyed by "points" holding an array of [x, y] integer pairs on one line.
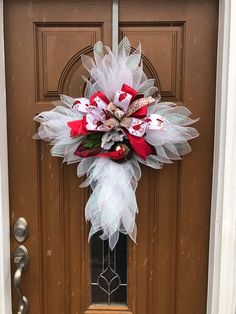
{"points": [[108, 271]]}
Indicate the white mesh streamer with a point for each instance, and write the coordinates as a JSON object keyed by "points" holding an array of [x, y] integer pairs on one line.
{"points": [[112, 205], [109, 72]]}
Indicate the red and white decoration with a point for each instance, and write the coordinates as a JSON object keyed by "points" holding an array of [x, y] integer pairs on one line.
{"points": [[108, 132]]}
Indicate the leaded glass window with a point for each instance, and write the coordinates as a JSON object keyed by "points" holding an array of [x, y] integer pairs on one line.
{"points": [[108, 271]]}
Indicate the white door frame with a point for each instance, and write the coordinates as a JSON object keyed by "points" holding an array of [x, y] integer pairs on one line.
{"points": [[222, 250], [5, 278]]}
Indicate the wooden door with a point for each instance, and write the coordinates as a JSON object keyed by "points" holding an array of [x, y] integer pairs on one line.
{"points": [[166, 272]]}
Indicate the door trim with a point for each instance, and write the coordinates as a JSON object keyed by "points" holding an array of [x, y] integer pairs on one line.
{"points": [[5, 278], [222, 250]]}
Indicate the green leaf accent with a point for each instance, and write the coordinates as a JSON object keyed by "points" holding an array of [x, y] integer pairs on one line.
{"points": [[92, 140]]}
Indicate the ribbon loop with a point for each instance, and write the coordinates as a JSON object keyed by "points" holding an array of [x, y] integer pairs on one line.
{"points": [[112, 123], [126, 122], [118, 113], [138, 104]]}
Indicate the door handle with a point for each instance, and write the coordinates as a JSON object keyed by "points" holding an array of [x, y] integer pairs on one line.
{"points": [[21, 261]]}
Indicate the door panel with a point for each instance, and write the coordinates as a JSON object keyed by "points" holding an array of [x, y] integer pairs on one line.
{"points": [[167, 269]]}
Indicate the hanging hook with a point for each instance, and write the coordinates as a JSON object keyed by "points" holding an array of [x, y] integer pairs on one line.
{"points": [[115, 25]]}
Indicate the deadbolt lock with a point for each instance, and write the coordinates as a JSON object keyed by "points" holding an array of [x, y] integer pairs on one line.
{"points": [[21, 229]]}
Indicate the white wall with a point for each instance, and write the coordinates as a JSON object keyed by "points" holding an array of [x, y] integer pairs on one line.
{"points": [[222, 261], [5, 283]]}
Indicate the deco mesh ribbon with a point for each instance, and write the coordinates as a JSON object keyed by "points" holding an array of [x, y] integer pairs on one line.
{"points": [[108, 132]]}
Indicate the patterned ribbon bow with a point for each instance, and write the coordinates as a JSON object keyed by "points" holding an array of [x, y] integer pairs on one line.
{"points": [[126, 111]]}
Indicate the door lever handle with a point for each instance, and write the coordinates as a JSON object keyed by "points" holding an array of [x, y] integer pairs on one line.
{"points": [[21, 261]]}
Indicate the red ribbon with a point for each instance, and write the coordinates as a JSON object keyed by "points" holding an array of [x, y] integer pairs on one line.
{"points": [[127, 89], [140, 146], [141, 113], [116, 155], [101, 96], [78, 127]]}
